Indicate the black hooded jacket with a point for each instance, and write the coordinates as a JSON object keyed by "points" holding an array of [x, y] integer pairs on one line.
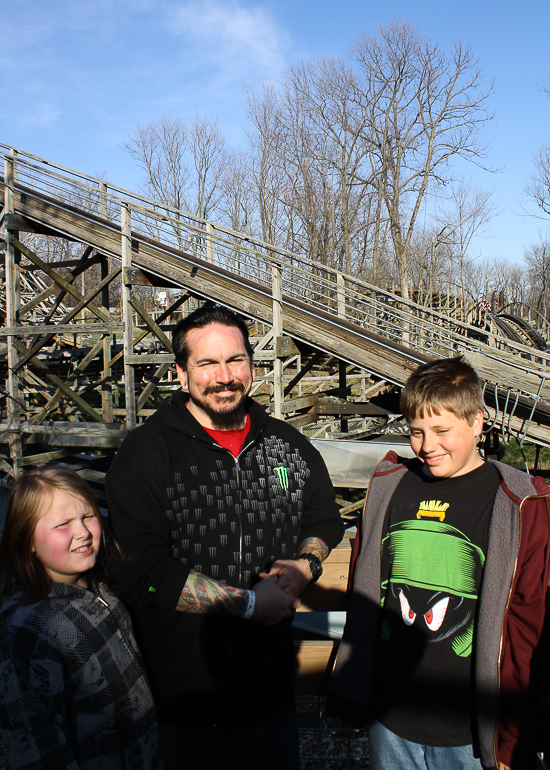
{"points": [[178, 501]]}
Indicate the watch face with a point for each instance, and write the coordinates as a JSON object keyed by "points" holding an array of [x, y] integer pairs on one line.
{"points": [[316, 568], [314, 565]]}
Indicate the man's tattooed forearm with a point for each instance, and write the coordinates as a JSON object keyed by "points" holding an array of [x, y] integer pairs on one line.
{"points": [[201, 595], [316, 546]]}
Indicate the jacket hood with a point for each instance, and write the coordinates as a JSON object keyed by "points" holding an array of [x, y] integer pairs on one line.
{"points": [[177, 417]]}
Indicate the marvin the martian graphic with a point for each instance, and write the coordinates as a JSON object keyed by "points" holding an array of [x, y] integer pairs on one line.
{"points": [[435, 573]]}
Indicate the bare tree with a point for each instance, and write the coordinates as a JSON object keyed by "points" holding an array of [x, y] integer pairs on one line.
{"points": [[429, 264], [467, 214], [237, 204], [537, 258], [265, 166], [324, 92], [497, 275], [183, 166], [210, 158], [160, 150], [425, 108], [538, 187]]}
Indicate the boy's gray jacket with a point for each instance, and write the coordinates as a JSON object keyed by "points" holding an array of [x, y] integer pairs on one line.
{"points": [[73, 691], [510, 668]]}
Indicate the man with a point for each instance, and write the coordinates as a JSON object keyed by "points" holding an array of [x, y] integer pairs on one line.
{"points": [[225, 515]]}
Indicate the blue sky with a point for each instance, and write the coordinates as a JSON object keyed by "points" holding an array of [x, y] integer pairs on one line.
{"points": [[78, 75]]}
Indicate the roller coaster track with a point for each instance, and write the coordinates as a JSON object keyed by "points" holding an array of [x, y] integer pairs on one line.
{"points": [[321, 309], [523, 331]]}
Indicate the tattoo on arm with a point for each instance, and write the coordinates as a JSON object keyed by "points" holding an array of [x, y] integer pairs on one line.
{"points": [[316, 546], [201, 594]]}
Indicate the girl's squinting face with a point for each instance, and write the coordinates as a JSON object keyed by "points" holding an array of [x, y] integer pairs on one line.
{"points": [[67, 538]]}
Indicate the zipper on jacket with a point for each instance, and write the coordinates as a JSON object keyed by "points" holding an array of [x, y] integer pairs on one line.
{"points": [[95, 591], [214, 445], [241, 528]]}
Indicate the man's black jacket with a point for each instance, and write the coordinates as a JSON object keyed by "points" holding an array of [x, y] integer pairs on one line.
{"points": [[177, 502]]}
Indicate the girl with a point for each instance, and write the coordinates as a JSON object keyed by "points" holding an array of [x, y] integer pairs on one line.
{"points": [[73, 692]]}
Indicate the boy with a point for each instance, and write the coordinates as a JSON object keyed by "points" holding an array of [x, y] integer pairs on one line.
{"points": [[442, 652]]}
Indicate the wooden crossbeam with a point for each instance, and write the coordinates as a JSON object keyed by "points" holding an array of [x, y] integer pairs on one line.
{"points": [[53, 378], [167, 313], [303, 371], [151, 324], [60, 280], [81, 367], [151, 385], [84, 302]]}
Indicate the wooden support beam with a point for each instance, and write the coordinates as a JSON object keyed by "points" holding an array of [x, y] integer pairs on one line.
{"points": [[303, 371], [61, 281], [79, 266], [40, 343], [284, 347], [12, 282], [57, 381], [151, 324], [45, 457], [56, 397], [277, 321], [55, 330], [160, 319], [301, 402], [38, 298], [137, 359], [129, 383], [133, 276], [327, 407], [314, 663], [346, 510], [303, 419], [151, 385]]}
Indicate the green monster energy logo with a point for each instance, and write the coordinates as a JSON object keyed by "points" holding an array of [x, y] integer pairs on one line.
{"points": [[282, 475]]}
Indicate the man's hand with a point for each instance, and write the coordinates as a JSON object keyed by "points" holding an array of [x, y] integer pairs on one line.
{"points": [[272, 603], [292, 575]]}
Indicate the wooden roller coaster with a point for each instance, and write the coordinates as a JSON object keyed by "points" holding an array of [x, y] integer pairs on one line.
{"points": [[84, 357]]}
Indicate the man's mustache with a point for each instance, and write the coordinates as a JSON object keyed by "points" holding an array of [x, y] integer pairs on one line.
{"points": [[236, 386]]}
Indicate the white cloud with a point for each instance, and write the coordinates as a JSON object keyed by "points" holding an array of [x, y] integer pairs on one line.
{"points": [[40, 113], [238, 40]]}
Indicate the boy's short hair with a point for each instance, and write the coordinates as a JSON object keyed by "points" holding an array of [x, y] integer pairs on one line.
{"points": [[447, 383]]}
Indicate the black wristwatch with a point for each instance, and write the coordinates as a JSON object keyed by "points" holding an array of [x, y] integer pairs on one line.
{"points": [[314, 565]]}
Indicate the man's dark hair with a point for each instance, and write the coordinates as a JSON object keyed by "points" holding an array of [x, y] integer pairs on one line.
{"points": [[448, 383], [198, 319]]}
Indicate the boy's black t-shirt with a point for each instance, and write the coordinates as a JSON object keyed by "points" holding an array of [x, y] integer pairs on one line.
{"points": [[433, 553]]}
